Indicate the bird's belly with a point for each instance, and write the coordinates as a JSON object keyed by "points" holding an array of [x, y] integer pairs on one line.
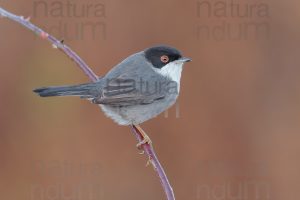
{"points": [[137, 114]]}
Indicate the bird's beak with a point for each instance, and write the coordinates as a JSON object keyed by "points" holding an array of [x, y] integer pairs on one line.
{"points": [[184, 59]]}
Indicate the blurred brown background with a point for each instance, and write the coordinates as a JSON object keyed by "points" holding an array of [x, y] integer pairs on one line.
{"points": [[237, 133]]}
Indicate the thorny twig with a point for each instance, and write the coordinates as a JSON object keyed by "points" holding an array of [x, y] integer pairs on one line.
{"points": [[148, 149]]}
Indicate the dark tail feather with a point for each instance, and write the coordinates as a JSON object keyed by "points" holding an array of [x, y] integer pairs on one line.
{"points": [[76, 90]]}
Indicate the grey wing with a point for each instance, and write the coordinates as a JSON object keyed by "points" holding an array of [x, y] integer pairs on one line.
{"points": [[126, 92]]}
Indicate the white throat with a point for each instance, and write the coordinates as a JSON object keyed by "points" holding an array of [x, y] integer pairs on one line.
{"points": [[172, 70]]}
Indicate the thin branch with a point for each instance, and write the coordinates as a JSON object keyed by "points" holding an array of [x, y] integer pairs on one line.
{"points": [[148, 149], [55, 42]]}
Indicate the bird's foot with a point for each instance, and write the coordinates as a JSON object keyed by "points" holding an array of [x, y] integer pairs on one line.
{"points": [[146, 140]]}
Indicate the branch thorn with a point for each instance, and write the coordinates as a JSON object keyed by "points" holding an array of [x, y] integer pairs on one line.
{"points": [[44, 35], [54, 46]]}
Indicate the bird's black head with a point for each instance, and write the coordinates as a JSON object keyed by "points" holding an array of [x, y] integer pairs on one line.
{"points": [[160, 56]]}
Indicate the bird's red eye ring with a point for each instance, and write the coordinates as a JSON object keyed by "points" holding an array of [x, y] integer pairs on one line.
{"points": [[164, 59]]}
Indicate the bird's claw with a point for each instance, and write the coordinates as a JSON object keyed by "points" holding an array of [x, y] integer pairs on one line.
{"points": [[146, 140]]}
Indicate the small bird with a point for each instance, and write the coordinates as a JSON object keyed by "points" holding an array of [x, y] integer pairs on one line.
{"points": [[138, 89]]}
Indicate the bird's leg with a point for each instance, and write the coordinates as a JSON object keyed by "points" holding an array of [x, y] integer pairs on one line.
{"points": [[146, 138]]}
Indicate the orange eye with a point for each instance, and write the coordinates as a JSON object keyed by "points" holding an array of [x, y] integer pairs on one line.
{"points": [[164, 59]]}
